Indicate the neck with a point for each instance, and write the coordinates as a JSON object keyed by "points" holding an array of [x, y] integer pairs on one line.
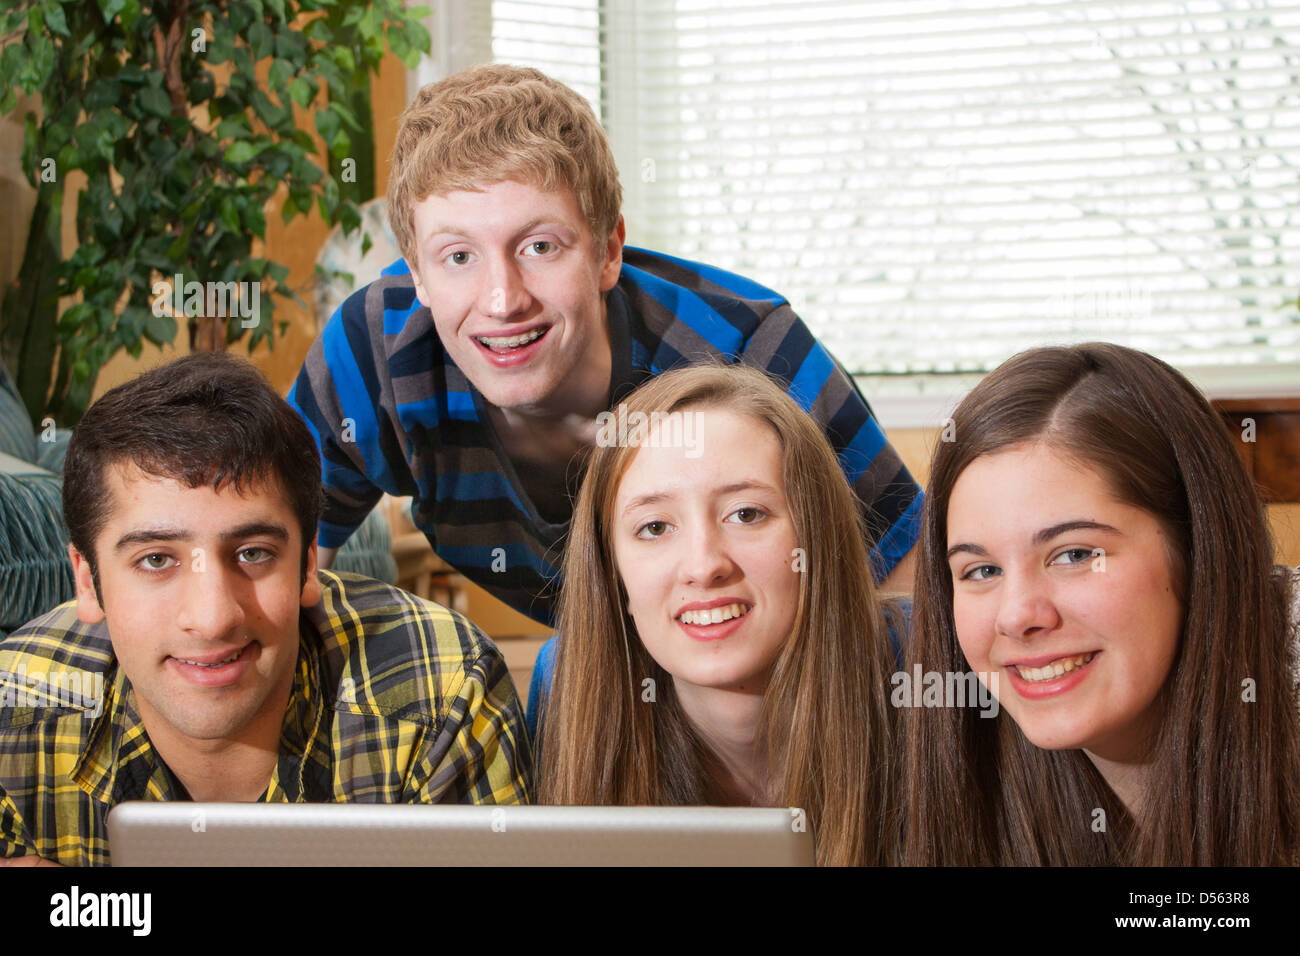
{"points": [[727, 723], [1129, 778], [532, 421], [229, 769], [1125, 759]]}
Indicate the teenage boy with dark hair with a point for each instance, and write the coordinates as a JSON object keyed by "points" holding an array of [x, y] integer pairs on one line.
{"points": [[206, 658]]}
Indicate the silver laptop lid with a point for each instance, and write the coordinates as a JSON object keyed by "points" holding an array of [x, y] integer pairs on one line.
{"points": [[338, 834]]}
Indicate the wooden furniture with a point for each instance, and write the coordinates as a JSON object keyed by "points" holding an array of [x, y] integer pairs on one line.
{"points": [[424, 574], [1267, 434]]}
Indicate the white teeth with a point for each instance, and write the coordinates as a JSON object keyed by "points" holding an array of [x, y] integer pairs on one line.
{"points": [[713, 615], [1055, 669], [232, 657], [513, 341]]}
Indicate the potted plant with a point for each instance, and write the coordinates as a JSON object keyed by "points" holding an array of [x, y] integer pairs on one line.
{"points": [[184, 118]]}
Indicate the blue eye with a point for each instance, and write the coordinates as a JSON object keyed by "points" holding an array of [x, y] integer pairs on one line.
{"points": [[1075, 556], [977, 573]]}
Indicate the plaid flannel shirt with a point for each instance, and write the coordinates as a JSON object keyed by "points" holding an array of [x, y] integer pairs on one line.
{"points": [[394, 700]]}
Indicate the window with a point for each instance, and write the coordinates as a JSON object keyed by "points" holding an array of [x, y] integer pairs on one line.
{"points": [[936, 185]]}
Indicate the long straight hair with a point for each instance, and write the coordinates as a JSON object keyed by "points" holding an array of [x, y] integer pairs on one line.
{"points": [[1223, 784], [825, 728]]}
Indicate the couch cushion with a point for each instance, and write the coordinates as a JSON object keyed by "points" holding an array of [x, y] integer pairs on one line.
{"points": [[17, 437], [50, 454], [369, 550], [35, 574]]}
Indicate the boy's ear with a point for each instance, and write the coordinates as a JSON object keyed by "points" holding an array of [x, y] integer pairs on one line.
{"points": [[612, 261], [420, 292], [89, 610], [311, 592]]}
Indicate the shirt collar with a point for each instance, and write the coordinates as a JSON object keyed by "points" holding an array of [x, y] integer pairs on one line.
{"points": [[304, 771], [625, 373], [119, 763]]}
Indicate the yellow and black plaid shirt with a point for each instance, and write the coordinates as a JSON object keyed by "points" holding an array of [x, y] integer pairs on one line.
{"points": [[395, 700]]}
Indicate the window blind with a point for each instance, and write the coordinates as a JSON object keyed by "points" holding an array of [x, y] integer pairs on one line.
{"points": [[936, 185]]}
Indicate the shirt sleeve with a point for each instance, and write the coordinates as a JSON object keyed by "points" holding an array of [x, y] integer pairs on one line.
{"points": [[889, 496], [481, 753], [338, 393]]}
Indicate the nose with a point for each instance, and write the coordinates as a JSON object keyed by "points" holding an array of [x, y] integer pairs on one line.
{"points": [[502, 293], [210, 606], [1026, 608], [705, 560]]}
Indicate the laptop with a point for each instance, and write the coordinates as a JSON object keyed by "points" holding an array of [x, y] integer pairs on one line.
{"points": [[151, 833]]}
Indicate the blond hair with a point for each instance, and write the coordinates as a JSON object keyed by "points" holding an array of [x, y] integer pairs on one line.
{"points": [[825, 723], [494, 123]]}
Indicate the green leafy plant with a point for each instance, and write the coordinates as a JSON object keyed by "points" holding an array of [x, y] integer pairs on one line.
{"points": [[181, 115]]}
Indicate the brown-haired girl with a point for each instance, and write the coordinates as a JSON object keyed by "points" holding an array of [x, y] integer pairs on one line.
{"points": [[720, 638], [1094, 548]]}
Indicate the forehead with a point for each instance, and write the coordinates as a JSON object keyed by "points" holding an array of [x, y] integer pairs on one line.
{"points": [[1027, 487], [697, 448], [496, 206], [138, 499]]}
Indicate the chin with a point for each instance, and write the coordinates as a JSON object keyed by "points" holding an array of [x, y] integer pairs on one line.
{"points": [[213, 724], [1055, 740], [510, 391], [729, 681]]}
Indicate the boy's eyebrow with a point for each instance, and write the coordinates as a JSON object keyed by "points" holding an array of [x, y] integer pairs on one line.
{"points": [[1041, 537], [445, 229], [248, 530]]}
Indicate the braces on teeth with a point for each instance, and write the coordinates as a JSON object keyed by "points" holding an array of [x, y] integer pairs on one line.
{"points": [[513, 341]]}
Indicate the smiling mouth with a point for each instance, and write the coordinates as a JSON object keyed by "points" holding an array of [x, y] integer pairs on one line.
{"points": [[229, 660], [1055, 669], [505, 344], [714, 615]]}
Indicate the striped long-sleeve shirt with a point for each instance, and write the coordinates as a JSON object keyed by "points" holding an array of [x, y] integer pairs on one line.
{"points": [[394, 700], [392, 413]]}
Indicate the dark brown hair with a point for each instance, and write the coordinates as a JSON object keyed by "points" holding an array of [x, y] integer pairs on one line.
{"points": [[826, 723], [1224, 779], [205, 419]]}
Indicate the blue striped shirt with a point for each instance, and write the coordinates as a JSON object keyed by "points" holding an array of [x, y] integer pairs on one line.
{"points": [[392, 413]]}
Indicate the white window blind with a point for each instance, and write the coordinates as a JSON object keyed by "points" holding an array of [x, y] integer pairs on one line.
{"points": [[562, 38], [936, 185]]}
